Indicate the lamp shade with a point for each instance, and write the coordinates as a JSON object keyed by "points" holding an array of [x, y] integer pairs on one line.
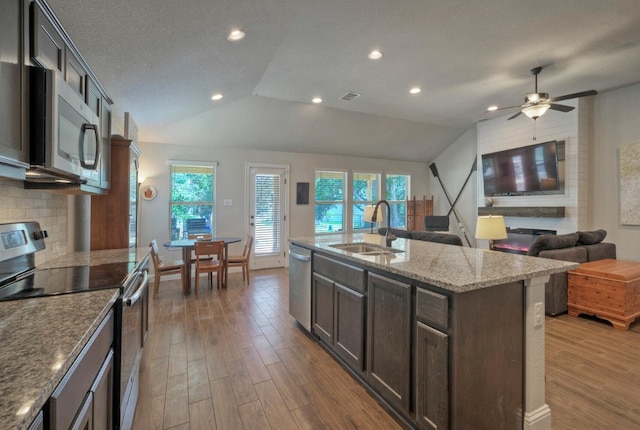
{"points": [[491, 227], [368, 213]]}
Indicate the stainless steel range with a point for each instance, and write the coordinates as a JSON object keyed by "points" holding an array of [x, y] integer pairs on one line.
{"points": [[20, 279]]}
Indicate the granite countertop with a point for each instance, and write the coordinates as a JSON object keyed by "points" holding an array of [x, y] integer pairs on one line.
{"points": [[454, 268], [40, 338], [96, 258]]}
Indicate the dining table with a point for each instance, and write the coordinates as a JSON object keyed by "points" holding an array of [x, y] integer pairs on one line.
{"points": [[187, 245]]}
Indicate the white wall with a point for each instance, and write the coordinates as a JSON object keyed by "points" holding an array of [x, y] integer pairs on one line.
{"points": [[616, 123], [499, 134], [230, 176], [454, 165], [596, 129]]}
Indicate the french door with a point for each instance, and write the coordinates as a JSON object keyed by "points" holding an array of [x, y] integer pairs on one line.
{"points": [[268, 198]]}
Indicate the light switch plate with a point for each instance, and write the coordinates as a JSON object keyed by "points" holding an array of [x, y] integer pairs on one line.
{"points": [[228, 202]]}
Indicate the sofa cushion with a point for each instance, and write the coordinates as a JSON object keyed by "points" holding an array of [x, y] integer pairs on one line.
{"points": [[404, 234], [600, 251], [451, 239], [591, 237], [545, 242], [575, 254]]}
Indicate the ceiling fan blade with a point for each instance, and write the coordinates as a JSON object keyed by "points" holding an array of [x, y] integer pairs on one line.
{"points": [[504, 108], [561, 108], [575, 95], [514, 115]]}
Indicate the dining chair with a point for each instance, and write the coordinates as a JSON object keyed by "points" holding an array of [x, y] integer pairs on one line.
{"points": [[164, 268], [242, 260], [209, 259], [199, 236]]}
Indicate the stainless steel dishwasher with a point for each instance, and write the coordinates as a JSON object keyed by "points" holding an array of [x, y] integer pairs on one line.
{"points": [[300, 285]]}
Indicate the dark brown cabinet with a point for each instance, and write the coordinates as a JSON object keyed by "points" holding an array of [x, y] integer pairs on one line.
{"points": [[13, 150], [389, 339], [322, 315], [432, 382], [47, 45], [431, 360], [349, 326], [114, 217], [74, 74], [338, 316]]}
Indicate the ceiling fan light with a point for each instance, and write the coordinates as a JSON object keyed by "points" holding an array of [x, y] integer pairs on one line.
{"points": [[533, 97], [536, 111]]}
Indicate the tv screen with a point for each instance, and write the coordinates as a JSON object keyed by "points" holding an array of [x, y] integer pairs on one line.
{"points": [[527, 169]]}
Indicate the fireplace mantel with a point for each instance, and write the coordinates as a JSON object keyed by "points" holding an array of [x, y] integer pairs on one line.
{"points": [[524, 211]]}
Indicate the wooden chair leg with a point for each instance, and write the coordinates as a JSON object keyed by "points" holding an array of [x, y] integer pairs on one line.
{"points": [[197, 281], [156, 285]]}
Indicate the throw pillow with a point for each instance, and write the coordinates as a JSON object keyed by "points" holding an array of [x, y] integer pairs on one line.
{"points": [[545, 242], [591, 237]]}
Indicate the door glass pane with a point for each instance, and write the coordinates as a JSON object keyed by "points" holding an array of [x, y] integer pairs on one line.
{"points": [[267, 214]]}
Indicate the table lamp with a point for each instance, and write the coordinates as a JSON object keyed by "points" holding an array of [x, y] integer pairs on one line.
{"points": [[491, 228], [368, 214]]}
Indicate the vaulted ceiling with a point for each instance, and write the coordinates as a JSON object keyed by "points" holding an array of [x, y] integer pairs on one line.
{"points": [[162, 60]]}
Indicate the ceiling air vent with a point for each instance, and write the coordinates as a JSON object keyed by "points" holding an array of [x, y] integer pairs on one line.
{"points": [[349, 96]]}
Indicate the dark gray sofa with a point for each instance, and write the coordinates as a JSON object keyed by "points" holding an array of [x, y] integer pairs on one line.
{"points": [[429, 236], [578, 247]]}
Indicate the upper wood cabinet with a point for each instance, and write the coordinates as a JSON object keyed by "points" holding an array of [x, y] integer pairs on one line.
{"points": [[13, 149], [114, 216], [47, 45], [75, 74]]}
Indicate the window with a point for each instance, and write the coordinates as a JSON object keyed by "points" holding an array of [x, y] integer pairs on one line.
{"points": [[330, 201], [192, 200], [366, 190], [397, 192]]}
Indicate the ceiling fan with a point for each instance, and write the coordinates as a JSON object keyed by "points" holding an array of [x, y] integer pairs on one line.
{"points": [[536, 104]]}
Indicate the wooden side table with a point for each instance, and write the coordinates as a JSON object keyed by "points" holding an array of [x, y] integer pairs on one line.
{"points": [[608, 289]]}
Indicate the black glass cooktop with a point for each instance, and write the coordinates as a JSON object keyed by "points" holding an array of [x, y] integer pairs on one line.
{"points": [[48, 282]]}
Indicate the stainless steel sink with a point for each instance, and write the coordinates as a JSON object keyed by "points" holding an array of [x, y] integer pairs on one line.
{"points": [[365, 248]]}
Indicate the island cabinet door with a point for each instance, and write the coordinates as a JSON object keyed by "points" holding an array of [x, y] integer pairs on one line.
{"points": [[432, 382], [389, 339], [322, 317], [349, 326]]}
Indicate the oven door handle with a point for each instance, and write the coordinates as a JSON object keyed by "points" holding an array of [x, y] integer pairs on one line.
{"points": [[139, 291]]}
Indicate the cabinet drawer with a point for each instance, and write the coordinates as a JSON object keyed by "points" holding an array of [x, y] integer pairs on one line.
{"points": [[432, 308], [68, 397], [340, 272]]}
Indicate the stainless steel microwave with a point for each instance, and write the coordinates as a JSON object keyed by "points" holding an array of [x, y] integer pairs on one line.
{"points": [[64, 134]]}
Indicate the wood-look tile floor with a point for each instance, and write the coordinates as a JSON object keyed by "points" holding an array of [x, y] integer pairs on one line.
{"points": [[235, 359]]}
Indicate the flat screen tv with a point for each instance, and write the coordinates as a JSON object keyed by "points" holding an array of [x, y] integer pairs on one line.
{"points": [[520, 171]]}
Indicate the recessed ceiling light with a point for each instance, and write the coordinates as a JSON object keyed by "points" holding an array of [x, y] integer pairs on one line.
{"points": [[375, 55], [415, 90], [236, 35], [316, 100], [492, 108], [216, 96]]}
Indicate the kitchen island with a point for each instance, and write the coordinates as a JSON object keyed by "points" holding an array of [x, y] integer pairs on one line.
{"points": [[446, 336]]}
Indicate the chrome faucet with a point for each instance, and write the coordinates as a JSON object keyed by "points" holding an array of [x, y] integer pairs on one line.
{"points": [[388, 237]]}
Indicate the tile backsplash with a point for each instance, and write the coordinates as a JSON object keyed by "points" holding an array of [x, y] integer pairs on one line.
{"points": [[47, 208]]}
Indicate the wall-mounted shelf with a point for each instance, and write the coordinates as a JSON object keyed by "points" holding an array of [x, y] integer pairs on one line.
{"points": [[524, 211]]}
